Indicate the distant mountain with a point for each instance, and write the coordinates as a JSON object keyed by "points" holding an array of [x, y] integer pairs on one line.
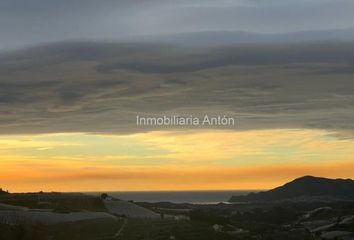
{"points": [[207, 38], [302, 188]]}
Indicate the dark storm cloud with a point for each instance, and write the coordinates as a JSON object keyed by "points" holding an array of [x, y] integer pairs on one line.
{"points": [[38, 21], [101, 87]]}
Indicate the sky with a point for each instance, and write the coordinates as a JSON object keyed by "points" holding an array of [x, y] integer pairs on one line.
{"points": [[167, 160], [25, 23], [70, 93]]}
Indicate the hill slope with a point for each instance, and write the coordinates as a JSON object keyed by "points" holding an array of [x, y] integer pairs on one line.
{"points": [[129, 209], [307, 186]]}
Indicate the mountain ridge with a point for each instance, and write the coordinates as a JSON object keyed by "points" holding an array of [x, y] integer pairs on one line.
{"points": [[306, 186]]}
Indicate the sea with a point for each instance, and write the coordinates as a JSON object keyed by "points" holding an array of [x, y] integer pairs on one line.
{"points": [[194, 197]]}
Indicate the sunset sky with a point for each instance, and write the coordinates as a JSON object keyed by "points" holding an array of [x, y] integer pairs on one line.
{"points": [[171, 160], [74, 75]]}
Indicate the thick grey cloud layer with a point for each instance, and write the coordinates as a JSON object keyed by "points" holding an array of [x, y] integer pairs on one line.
{"points": [[37, 21], [93, 87]]}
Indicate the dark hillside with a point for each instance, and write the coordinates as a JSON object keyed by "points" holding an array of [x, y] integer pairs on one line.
{"points": [[307, 186]]}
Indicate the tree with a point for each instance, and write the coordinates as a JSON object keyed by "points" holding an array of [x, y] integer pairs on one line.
{"points": [[104, 196]]}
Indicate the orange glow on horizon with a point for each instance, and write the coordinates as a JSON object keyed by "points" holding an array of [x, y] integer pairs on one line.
{"points": [[155, 161], [164, 178]]}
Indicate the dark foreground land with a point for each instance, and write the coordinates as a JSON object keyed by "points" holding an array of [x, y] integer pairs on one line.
{"points": [[59, 216]]}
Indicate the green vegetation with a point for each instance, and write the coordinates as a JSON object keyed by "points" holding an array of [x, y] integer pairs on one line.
{"points": [[83, 230], [208, 216], [72, 205], [170, 229], [59, 202], [276, 215]]}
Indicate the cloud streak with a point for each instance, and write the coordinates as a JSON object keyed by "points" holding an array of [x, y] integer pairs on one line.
{"points": [[101, 87]]}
